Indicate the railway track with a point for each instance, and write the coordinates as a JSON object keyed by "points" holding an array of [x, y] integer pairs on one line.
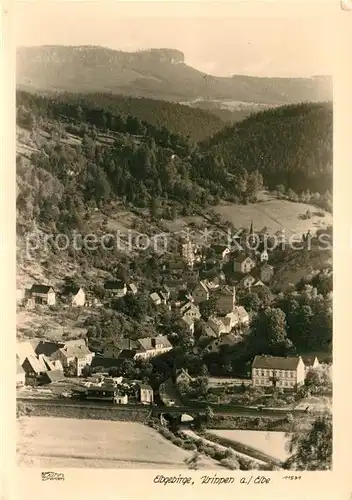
{"points": [[157, 410]]}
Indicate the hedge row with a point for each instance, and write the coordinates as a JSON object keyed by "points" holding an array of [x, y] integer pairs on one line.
{"points": [[227, 458], [246, 450], [75, 411]]}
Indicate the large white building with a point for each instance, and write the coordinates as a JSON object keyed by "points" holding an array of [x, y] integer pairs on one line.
{"points": [[282, 372]]}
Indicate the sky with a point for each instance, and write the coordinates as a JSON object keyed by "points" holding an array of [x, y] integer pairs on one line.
{"points": [[221, 39]]}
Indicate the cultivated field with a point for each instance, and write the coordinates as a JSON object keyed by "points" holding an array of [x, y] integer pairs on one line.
{"points": [[272, 444], [50, 442], [275, 215]]}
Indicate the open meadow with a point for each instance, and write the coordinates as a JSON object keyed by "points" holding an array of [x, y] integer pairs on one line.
{"points": [[50, 442], [275, 215], [272, 444]]}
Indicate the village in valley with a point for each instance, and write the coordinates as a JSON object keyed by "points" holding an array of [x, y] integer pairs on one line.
{"points": [[174, 232], [206, 317]]}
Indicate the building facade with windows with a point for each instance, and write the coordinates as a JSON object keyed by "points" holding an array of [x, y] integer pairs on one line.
{"points": [[281, 372]]}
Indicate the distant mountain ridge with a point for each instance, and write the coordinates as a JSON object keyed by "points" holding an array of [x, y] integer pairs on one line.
{"points": [[155, 73]]}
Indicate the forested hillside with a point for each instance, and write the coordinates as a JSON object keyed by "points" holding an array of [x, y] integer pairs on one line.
{"points": [[91, 155], [289, 145], [83, 165], [190, 122]]}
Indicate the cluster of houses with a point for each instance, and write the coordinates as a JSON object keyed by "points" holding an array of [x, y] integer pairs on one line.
{"points": [[114, 389], [49, 361], [143, 348], [183, 290], [46, 361], [41, 294], [72, 295]]}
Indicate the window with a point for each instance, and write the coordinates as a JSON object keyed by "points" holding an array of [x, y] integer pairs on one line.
{"points": [[263, 373]]}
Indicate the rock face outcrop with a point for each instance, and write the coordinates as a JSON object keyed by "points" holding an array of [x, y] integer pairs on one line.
{"points": [[155, 73], [167, 55]]}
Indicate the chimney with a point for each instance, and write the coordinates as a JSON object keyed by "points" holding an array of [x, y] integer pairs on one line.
{"points": [[153, 342]]}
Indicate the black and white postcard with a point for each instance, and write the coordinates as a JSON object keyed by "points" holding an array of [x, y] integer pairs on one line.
{"points": [[175, 283]]}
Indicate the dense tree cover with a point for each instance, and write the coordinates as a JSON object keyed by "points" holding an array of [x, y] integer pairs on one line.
{"points": [[312, 449], [318, 380], [196, 388], [122, 156], [291, 146], [308, 318], [100, 112], [176, 118], [134, 306], [140, 163], [268, 332], [110, 327]]}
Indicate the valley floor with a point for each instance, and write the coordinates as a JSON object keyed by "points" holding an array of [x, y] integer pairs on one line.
{"points": [[49, 442]]}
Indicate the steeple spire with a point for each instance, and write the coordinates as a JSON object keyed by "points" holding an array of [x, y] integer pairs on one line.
{"points": [[251, 229]]}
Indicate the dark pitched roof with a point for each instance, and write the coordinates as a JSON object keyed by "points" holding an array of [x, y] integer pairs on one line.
{"points": [[114, 285], [41, 288], [309, 360], [220, 248], [48, 348], [127, 354], [71, 290], [126, 344], [276, 362], [104, 362]]}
